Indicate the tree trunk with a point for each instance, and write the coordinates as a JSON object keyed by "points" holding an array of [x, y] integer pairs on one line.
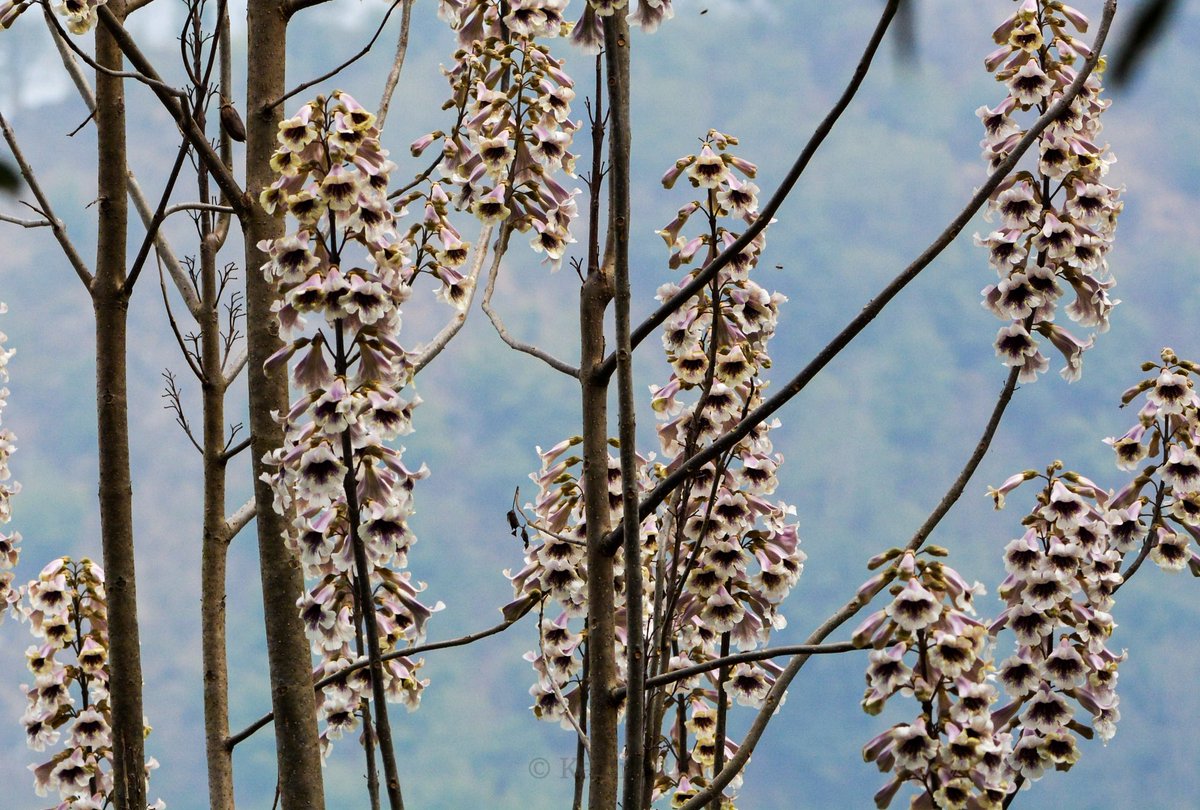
{"points": [[292, 698], [215, 541], [110, 300], [602, 670]]}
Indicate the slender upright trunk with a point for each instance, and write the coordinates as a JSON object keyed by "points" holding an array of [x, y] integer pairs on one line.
{"points": [[292, 698], [216, 532], [110, 300], [215, 541], [602, 670], [616, 50]]}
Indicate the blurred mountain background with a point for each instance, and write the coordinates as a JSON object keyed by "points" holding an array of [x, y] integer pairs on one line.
{"points": [[870, 447]]}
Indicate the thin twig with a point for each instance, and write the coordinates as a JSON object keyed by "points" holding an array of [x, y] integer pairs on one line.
{"points": [[235, 449], [183, 347], [164, 252], [153, 83], [501, 329], [876, 305], [45, 209], [161, 244], [362, 663], [434, 347], [393, 78], [981, 447], [300, 88]]}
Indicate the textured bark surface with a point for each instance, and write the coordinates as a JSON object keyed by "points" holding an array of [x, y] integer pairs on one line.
{"points": [[110, 300], [616, 53], [292, 697], [215, 540], [602, 670]]}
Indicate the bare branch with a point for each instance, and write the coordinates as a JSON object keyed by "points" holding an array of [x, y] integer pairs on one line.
{"points": [[174, 101], [164, 251], [876, 305], [161, 244], [435, 346], [56, 224], [188, 354], [741, 658], [823, 129], [153, 83], [155, 221], [389, 87], [175, 405], [235, 449], [198, 206], [300, 88], [290, 7], [956, 489], [26, 223], [241, 518], [501, 329], [68, 59], [362, 663]]}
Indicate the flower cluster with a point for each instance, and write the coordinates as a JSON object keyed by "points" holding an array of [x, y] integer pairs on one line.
{"points": [[337, 476], [1062, 574], [719, 558], [556, 568], [1056, 221], [9, 542], [1080, 545], [68, 614], [927, 644], [1164, 439], [513, 130]]}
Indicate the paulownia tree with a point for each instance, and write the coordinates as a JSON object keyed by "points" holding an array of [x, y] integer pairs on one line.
{"points": [[656, 576]]}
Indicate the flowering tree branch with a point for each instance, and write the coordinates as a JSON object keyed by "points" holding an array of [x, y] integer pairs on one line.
{"points": [[852, 607], [876, 304]]}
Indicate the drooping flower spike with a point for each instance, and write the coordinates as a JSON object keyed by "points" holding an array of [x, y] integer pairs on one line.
{"points": [[344, 265], [1056, 220]]}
